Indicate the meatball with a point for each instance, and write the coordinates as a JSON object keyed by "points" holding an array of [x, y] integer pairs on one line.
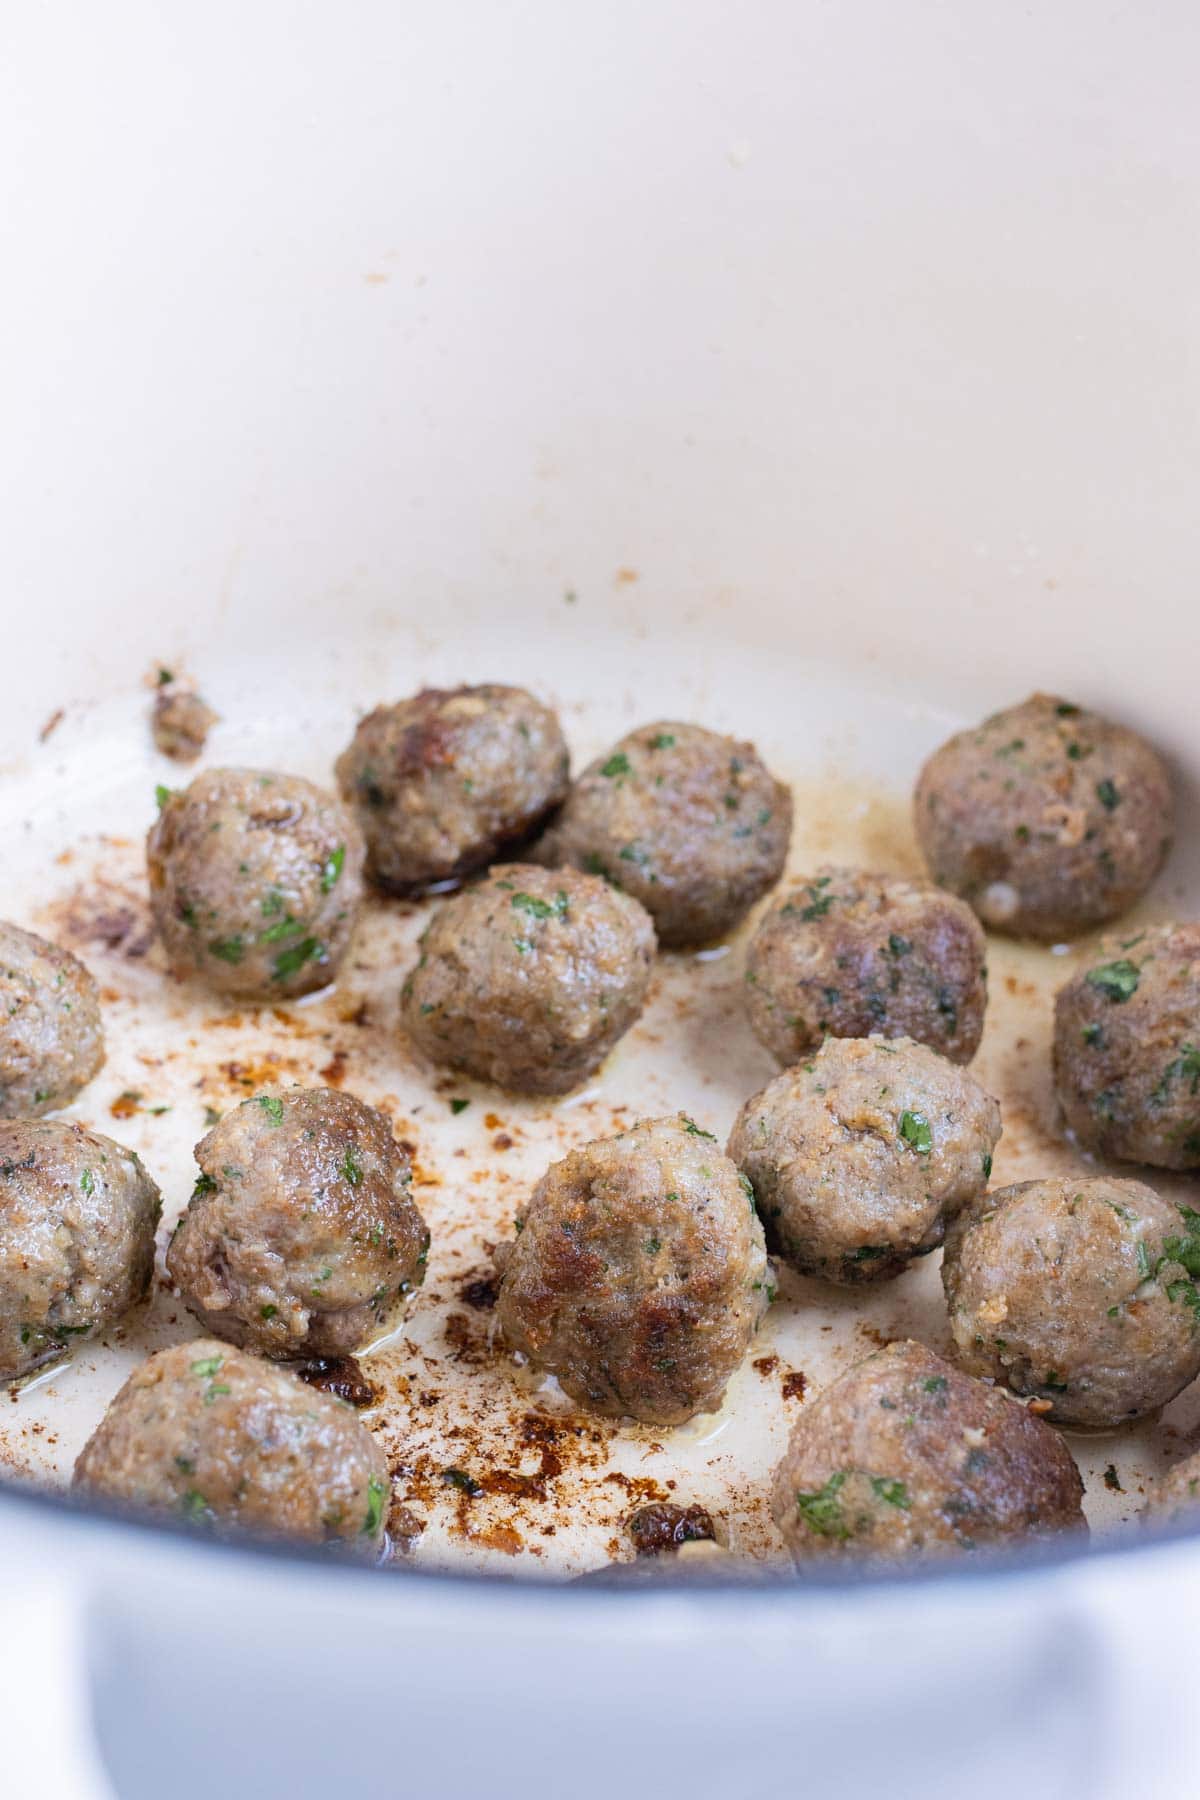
{"points": [[850, 955], [255, 881], [1175, 1496], [639, 1273], [1127, 1049], [690, 823], [51, 1038], [905, 1457], [77, 1220], [1047, 818], [860, 1157], [445, 782], [529, 978], [1080, 1292], [301, 1238], [218, 1438]]}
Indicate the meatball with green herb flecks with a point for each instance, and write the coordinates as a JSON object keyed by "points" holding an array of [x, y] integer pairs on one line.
{"points": [[851, 955], [529, 978], [688, 822], [639, 1274], [1047, 818], [859, 1157], [255, 882], [302, 1237], [227, 1442], [1127, 1049], [448, 780], [1080, 1292], [78, 1215], [904, 1457], [51, 1038]]}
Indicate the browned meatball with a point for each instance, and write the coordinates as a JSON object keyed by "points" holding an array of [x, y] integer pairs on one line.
{"points": [[221, 1439], [1047, 818], [905, 1457], [446, 781], [1175, 1496], [1127, 1049], [529, 978], [77, 1221], [255, 882], [51, 1038], [690, 823], [1079, 1292], [639, 1274], [859, 1157], [302, 1238], [850, 955]]}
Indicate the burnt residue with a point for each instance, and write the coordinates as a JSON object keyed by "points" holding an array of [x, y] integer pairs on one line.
{"points": [[341, 1376], [664, 1526], [480, 1293], [793, 1385], [103, 916], [766, 1365]]}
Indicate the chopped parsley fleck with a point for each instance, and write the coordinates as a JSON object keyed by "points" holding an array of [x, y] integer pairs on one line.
{"points": [[162, 795], [207, 1366], [87, 1182], [987, 1165], [458, 1106], [542, 909], [1185, 1067], [1185, 1250], [617, 765], [822, 1509], [693, 1130], [466, 1484], [1093, 1035], [665, 740], [1143, 1260], [228, 950], [333, 869], [267, 1312], [1107, 795], [375, 1498], [891, 1490], [291, 961], [272, 1105], [935, 1384], [1118, 981], [1112, 1480], [915, 1131], [204, 1185], [1065, 710], [899, 946]]}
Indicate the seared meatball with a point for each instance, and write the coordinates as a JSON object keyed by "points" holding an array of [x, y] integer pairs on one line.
{"points": [[302, 1238], [1175, 1495], [1047, 818], [77, 1221], [1080, 1292], [51, 1038], [446, 781], [905, 1457], [859, 1157], [221, 1439], [689, 822], [255, 881], [529, 978], [850, 955], [1127, 1049], [639, 1274]]}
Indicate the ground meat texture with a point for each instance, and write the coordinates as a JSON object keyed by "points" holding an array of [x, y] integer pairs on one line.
{"points": [[859, 1157], [845, 954], [302, 1238], [51, 1038], [906, 1457], [689, 822], [77, 1220], [1175, 1495], [447, 781], [639, 1273], [255, 882], [1079, 1292], [1048, 819], [207, 1434], [1127, 1049], [529, 978], [181, 722]]}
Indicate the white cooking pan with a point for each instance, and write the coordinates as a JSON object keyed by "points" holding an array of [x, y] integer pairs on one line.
{"points": [[821, 373]]}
